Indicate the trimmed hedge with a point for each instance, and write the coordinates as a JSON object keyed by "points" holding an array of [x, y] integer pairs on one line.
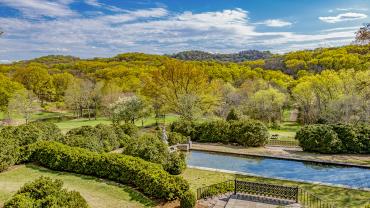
{"points": [[150, 178], [244, 132], [177, 138], [44, 192], [9, 151], [334, 138]]}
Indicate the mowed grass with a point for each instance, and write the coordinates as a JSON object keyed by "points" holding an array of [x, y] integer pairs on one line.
{"points": [[342, 197], [286, 131], [75, 123], [97, 192]]}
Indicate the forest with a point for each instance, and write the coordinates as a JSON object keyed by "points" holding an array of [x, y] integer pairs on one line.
{"points": [[325, 85]]}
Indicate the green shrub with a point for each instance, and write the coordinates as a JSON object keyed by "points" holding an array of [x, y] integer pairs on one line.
{"points": [[150, 178], [347, 134], [50, 131], [244, 132], [248, 133], [176, 163], [9, 151], [213, 131], [363, 136], [319, 138], [188, 200], [101, 138], [335, 138], [177, 138], [232, 115], [149, 148], [44, 192], [185, 128], [129, 129]]}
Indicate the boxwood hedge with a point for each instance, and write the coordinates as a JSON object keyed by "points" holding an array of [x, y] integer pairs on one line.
{"points": [[335, 138], [150, 178], [244, 132]]}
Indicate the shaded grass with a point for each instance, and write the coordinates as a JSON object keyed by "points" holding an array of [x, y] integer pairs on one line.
{"points": [[342, 197], [97, 192]]}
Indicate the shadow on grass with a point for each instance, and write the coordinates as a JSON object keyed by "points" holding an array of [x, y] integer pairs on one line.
{"points": [[134, 194]]}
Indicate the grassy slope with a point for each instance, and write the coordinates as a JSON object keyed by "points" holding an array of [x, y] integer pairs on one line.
{"points": [[341, 196], [97, 192]]}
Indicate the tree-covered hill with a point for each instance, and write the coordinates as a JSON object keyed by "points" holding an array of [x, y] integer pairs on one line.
{"points": [[231, 57]]}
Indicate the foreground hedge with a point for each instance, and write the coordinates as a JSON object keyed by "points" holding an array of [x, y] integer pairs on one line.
{"points": [[44, 192], [150, 178], [335, 138], [244, 132]]}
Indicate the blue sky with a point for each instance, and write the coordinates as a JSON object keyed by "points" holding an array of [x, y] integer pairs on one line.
{"points": [[103, 28]]}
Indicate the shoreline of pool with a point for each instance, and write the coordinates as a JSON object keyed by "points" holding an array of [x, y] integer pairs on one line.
{"points": [[324, 162]]}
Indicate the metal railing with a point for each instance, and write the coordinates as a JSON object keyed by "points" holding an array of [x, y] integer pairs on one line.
{"points": [[309, 200], [284, 143], [291, 193]]}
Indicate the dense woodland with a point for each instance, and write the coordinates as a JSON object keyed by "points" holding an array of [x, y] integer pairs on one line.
{"points": [[324, 85]]}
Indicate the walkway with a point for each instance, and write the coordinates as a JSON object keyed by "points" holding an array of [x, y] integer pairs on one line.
{"points": [[242, 201]]}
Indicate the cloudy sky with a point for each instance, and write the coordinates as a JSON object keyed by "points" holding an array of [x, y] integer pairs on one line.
{"points": [[102, 28]]}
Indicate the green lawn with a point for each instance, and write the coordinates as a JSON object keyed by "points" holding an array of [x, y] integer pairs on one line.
{"points": [[341, 196], [74, 123], [286, 131], [98, 193]]}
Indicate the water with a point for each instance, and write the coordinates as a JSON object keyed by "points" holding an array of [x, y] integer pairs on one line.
{"points": [[285, 169]]}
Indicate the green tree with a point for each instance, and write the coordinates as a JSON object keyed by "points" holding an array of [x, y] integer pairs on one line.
{"points": [[24, 102], [7, 90], [128, 109]]}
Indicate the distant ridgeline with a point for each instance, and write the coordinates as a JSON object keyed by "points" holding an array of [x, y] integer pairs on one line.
{"points": [[248, 55]]}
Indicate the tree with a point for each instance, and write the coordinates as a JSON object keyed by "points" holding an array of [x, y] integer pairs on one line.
{"points": [[35, 77], [266, 105], [232, 116], [24, 102], [128, 109], [363, 34], [179, 83], [78, 96], [61, 82], [7, 90]]}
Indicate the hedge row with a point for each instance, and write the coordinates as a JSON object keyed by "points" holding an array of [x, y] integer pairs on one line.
{"points": [[244, 132], [335, 138], [150, 178]]}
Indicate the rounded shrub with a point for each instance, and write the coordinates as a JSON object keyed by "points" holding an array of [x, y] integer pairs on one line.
{"points": [[232, 115], [319, 138], [248, 133], [129, 129], [347, 134], [177, 138], [213, 131], [188, 200], [185, 128], [363, 136], [176, 163], [44, 192]]}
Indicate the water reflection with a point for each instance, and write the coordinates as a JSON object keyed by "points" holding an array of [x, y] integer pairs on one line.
{"points": [[294, 170]]}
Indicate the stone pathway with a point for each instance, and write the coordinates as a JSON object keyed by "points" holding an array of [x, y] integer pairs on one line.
{"points": [[242, 201]]}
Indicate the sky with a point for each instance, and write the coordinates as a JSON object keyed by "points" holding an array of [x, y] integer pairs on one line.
{"points": [[104, 28]]}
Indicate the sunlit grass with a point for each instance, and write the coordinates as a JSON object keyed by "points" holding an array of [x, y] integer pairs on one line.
{"points": [[97, 192]]}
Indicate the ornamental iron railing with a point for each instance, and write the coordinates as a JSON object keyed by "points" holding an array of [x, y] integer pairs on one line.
{"points": [[289, 193], [284, 143]]}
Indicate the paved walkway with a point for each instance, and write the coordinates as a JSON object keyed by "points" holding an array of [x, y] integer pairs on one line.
{"points": [[243, 201]]}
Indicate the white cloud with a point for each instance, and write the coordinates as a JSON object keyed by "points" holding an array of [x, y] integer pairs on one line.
{"points": [[276, 23], [351, 9], [96, 3], [153, 30], [37, 8], [349, 16]]}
